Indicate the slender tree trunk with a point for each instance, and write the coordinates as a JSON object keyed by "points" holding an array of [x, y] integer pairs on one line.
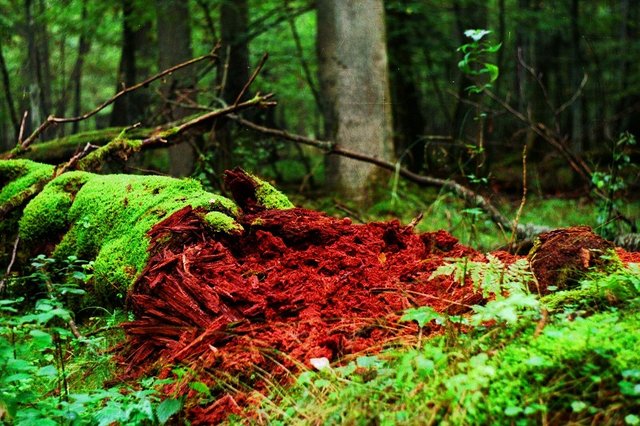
{"points": [[355, 88], [577, 129], [233, 71], [84, 45], [38, 68], [174, 46], [134, 65], [630, 10], [409, 122], [8, 96]]}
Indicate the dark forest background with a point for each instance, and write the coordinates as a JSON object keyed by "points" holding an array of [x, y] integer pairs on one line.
{"points": [[568, 80]]}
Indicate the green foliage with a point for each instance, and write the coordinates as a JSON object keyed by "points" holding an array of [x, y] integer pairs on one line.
{"points": [[39, 383], [474, 62], [571, 366], [611, 183]]}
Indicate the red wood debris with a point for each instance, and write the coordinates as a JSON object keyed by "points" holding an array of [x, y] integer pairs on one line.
{"points": [[295, 285]]}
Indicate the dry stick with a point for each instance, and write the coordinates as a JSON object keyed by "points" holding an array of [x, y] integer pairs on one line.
{"points": [[163, 139], [578, 165], [74, 160], [71, 322], [463, 192], [13, 259], [524, 194], [252, 78], [58, 120], [23, 123]]}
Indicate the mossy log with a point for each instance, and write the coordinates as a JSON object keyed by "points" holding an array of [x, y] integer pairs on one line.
{"points": [[105, 218]]}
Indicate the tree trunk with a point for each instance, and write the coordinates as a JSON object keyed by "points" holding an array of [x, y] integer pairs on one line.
{"points": [[9, 98], [134, 63], [76, 76], [408, 119], [355, 90], [174, 46], [577, 130], [38, 68], [233, 70]]}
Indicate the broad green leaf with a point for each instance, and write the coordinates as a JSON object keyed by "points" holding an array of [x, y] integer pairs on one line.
{"points": [[422, 315], [168, 408], [493, 71], [47, 370]]}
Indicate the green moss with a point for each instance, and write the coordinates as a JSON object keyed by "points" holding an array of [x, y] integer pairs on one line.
{"points": [[269, 197], [63, 148], [46, 216], [169, 132], [220, 222], [111, 215], [119, 147], [17, 176]]}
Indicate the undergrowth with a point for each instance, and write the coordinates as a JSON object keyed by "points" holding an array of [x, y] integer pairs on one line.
{"points": [[569, 357], [53, 372], [405, 201]]}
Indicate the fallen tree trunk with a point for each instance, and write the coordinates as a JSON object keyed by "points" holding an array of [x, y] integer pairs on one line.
{"points": [[106, 218]]}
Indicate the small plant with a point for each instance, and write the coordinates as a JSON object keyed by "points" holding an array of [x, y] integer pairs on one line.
{"points": [[611, 184], [474, 62], [507, 287], [39, 346]]}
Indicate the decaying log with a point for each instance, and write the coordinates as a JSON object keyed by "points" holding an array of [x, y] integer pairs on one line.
{"points": [[105, 218]]}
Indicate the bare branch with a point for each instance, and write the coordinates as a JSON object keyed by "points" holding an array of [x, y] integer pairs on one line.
{"points": [[60, 120], [466, 194], [13, 259], [23, 123], [575, 96], [252, 78], [163, 138]]}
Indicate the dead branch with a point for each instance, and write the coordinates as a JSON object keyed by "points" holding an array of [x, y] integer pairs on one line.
{"points": [[23, 123], [165, 137], [466, 194], [24, 145], [246, 86], [13, 259]]}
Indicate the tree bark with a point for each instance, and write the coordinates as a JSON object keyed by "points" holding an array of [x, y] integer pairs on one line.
{"points": [[76, 76], [174, 46], [8, 96], [134, 62], [355, 88], [408, 119], [38, 67], [233, 70]]}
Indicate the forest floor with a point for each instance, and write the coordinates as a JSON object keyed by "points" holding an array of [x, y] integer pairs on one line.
{"points": [[300, 289], [306, 318]]}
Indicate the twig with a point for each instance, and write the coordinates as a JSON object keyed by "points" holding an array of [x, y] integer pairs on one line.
{"points": [[59, 120], [13, 259], [524, 194], [252, 78], [74, 160], [575, 96], [163, 138], [338, 205], [541, 324], [23, 123]]}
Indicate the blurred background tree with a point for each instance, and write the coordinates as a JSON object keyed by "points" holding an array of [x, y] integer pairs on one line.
{"points": [[568, 81]]}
